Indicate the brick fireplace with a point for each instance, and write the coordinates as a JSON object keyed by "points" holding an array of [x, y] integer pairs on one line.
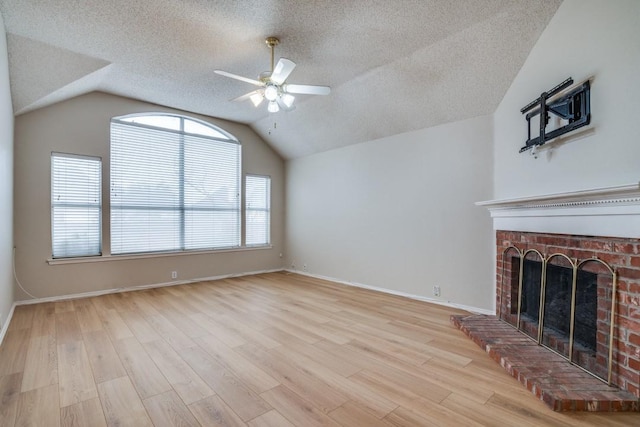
{"points": [[622, 255], [594, 236]]}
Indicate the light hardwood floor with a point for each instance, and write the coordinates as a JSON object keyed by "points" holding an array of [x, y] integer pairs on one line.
{"points": [[269, 350]]}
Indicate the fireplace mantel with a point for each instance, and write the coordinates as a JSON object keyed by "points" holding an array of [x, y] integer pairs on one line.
{"points": [[609, 211]]}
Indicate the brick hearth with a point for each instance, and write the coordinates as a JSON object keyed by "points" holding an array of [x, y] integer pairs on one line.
{"points": [[560, 385]]}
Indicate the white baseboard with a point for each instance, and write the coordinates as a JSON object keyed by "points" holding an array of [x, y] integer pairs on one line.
{"points": [[476, 310], [5, 325]]}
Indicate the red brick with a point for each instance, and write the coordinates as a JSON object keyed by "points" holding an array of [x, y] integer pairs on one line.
{"points": [[634, 261], [535, 247], [598, 245], [592, 265], [604, 406], [632, 350], [622, 310], [623, 285], [634, 364], [625, 248], [627, 323], [632, 286], [633, 390], [524, 237], [583, 254], [629, 273], [630, 300], [613, 259], [560, 249], [628, 375]]}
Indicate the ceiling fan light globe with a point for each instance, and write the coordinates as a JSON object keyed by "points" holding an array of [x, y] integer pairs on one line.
{"points": [[271, 92], [273, 107], [288, 99]]}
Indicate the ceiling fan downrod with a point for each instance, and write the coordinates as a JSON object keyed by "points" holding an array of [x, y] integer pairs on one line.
{"points": [[272, 42]]}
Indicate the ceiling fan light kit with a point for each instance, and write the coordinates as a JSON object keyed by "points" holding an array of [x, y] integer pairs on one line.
{"points": [[256, 98], [288, 99], [272, 84]]}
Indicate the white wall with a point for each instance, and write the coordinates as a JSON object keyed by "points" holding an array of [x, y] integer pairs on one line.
{"points": [[398, 213], [81, 125], [586, 39], [6, 182]]}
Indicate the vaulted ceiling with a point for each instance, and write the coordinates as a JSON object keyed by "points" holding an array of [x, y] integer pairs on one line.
{"points": [[393, 66]]}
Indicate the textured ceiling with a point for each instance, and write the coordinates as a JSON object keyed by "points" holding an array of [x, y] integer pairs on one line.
{"points": [[393, 66]]}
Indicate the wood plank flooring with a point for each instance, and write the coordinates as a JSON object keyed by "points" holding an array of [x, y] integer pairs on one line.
{"points": [[274, 349]]}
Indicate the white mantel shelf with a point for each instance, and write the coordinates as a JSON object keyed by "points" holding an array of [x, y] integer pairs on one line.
{"points": [[609, 211]]}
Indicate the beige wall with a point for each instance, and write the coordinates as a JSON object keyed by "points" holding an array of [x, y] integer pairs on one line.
{"points": [[6, 183], [398, 213], [604, 47], [81, 125]]}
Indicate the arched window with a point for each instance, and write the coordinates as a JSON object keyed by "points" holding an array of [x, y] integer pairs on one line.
{"points": [[175, 185]]}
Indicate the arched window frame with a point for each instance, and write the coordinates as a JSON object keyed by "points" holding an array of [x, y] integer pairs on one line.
{"points": [[224, 135], [173, 221]]}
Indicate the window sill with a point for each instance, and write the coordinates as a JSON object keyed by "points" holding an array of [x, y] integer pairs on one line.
{"points": [[108, 258]]}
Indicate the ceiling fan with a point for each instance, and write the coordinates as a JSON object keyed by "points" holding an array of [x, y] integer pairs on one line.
{"points": [[273, 86]]}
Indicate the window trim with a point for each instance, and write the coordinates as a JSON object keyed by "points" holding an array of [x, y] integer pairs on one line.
{"points": [[268, 210], [150, 255], [229, 139], [100, 204]]}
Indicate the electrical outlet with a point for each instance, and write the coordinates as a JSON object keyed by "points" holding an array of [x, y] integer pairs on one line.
{"points": [[436, 291], [174, 274], [304, 267]]}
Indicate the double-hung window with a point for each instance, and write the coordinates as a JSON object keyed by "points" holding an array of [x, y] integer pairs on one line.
{"points": [[76, 205], [175, 185], [258, 210]]}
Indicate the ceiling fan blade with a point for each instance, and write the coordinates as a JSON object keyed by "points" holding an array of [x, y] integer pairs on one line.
{"points": [[307, 89], [281, 71], [237, 77], [256, 96]]}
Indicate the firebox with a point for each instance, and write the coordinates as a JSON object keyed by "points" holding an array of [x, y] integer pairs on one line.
{"points": [[557, 305]]}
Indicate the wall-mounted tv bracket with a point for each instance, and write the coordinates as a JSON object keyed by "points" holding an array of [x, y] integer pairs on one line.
{"points": [[574, 107]]}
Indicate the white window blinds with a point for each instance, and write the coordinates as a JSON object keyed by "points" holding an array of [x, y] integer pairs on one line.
{"points": [[75, 205], [258, 210], [172, 190]]}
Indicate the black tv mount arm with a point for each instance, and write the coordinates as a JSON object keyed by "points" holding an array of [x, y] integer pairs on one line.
{"points": [[574, 107]]}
